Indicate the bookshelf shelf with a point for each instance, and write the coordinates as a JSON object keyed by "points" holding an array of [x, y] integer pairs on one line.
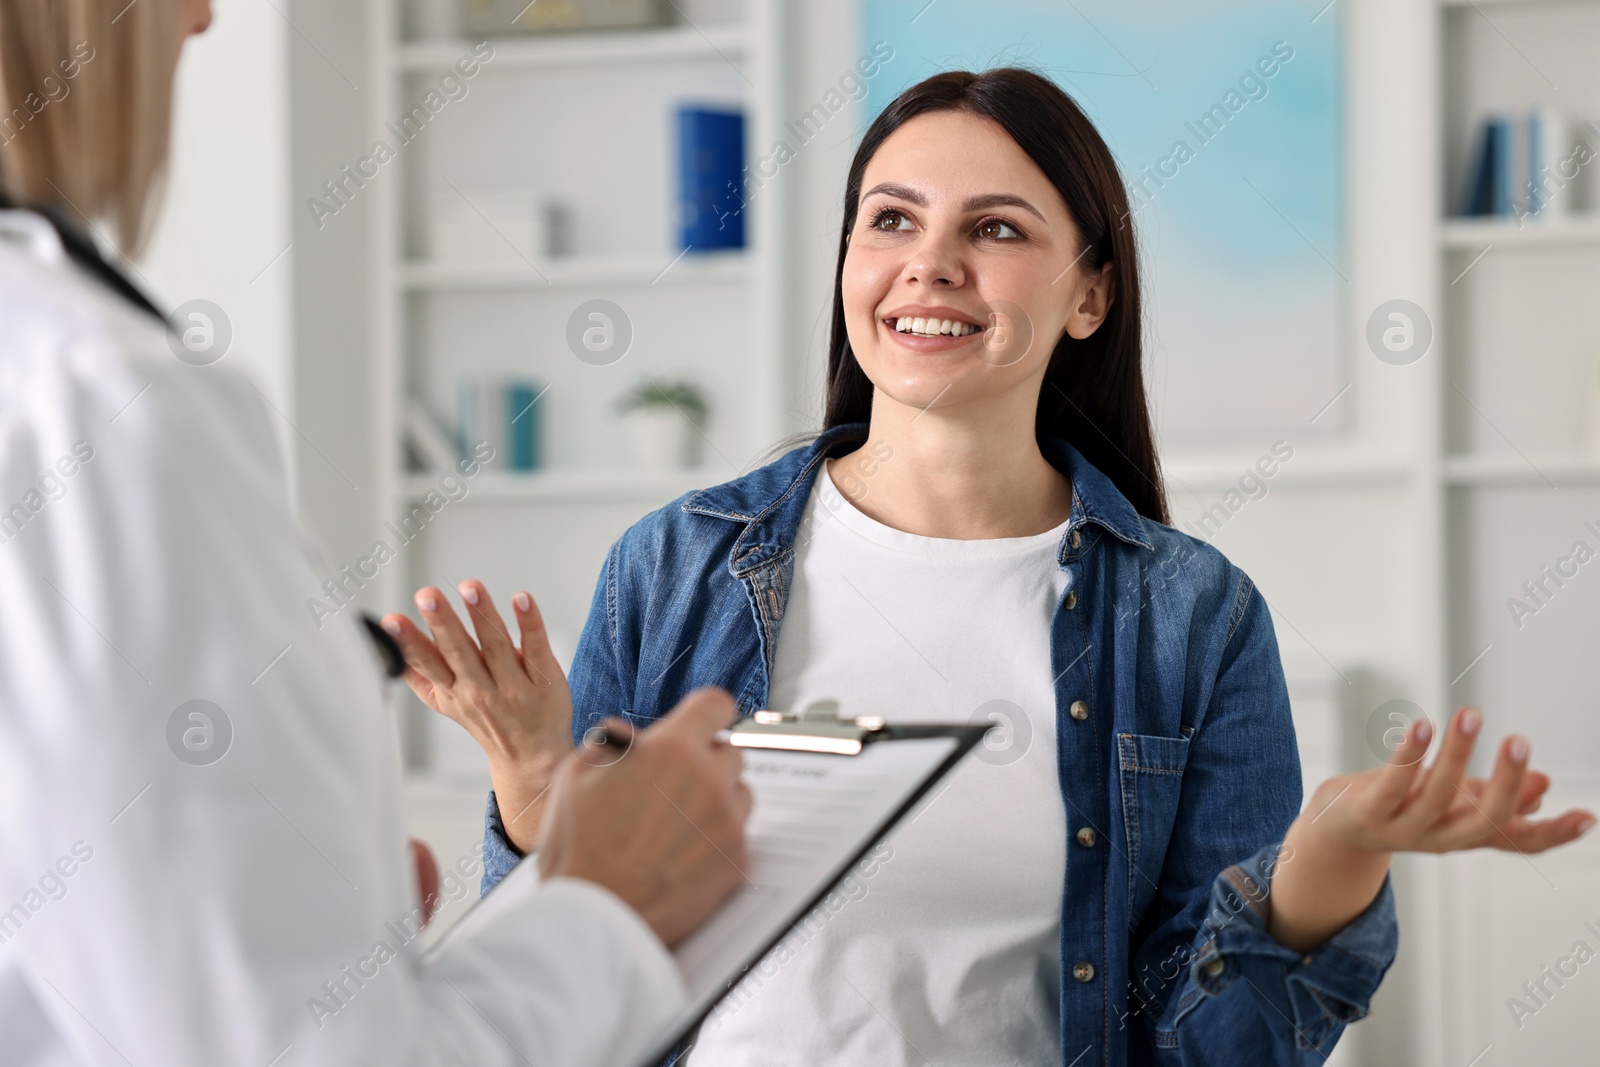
{"points": [[1534, 471], [1463, 234], [676, 43], [1309, 469], [572, 486], [612, 271]]}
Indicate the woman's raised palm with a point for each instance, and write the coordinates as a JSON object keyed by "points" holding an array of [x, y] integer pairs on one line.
{"points": [[513, 700]]}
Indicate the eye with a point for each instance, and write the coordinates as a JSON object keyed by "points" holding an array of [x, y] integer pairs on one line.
{"points": [[889, 214], [998, 230]]}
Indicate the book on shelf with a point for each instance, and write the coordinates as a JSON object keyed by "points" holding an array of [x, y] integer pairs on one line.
{"points": [[710, 169], [1547, 142], [1489, 180], [1523, 168], [505, 413]]}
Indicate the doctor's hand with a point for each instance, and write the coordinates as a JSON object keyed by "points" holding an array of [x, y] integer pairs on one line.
{"points": [[1337, 852], [659, 822], [513, 701]]}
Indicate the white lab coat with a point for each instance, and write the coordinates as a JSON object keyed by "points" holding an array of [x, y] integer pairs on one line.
{"points": [[163, 914]]}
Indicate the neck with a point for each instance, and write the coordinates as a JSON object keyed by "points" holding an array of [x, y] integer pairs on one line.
{"points": [[952, 473]]}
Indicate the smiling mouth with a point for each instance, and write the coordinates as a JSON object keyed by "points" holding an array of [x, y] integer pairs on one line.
{"points": [[917, 327]]}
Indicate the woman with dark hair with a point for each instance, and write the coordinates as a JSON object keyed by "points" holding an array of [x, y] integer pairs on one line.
{"points": [[980, 533]]}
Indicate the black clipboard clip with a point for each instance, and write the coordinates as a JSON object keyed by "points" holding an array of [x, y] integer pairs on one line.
{"points": [[817, 728]]}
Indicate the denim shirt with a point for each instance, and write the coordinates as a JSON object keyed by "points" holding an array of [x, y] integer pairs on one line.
{"points": [[1175, 750]]}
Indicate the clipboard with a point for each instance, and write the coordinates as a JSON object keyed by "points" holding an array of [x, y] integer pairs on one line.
{"points": [[759, 915], [863, 775]]}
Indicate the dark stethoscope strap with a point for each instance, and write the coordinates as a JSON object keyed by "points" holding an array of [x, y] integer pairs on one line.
{"points": [[86, 254]]}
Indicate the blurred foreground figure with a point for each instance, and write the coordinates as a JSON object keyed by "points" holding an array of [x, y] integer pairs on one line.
{"points": [[202, 860]]}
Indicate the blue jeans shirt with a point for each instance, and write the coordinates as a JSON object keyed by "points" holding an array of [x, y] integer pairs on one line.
{"points": [[1175, 747]]}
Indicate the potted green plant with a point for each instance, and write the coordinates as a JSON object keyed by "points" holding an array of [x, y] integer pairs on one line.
{"points": [[662, 419]]}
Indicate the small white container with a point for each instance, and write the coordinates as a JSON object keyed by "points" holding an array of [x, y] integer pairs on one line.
{"points": [[487, 228], [660, 438]]}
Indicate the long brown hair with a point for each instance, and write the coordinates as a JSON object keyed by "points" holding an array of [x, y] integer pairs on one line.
{"points": [[1093, 391]]}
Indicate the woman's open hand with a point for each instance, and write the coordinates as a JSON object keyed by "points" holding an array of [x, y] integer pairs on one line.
{"points": [[1337, 852], [514, 702]]}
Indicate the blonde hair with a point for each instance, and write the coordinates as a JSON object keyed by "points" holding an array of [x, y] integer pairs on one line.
{"points": [[86, 108]]}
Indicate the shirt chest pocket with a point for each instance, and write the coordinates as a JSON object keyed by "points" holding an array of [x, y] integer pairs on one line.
{"points": [[1151, 770]]}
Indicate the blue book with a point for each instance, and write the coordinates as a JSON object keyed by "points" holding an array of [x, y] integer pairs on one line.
{"points": [[711, 206], [1502, 167], [1489, 183], [523, 452]]}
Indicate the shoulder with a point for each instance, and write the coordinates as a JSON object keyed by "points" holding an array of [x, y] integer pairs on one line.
{"points": [[81, 371], [1185, 578], [703, 527], [1174, 555]]}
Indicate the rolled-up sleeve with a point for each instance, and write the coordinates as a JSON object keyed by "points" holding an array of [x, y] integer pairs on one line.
{"points": [[1239, 968], [498, 855]]}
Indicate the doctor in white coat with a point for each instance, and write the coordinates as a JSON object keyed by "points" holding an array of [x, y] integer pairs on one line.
{"points": [[201, 854]]}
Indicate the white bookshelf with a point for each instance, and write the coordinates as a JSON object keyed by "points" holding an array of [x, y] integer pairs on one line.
{"points": [[585, 117], [666, 44], [1326, 466], [1517, 342], [616, 272], [550, 487]]}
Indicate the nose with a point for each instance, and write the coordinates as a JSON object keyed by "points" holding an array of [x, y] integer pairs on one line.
{"points": [[936, 260]]}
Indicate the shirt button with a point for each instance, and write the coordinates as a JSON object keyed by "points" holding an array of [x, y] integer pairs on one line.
{"points": [[1086, 837], [1073, 539], [1216, 967], [1079, 710], [1083, 972], [1072, 599]]}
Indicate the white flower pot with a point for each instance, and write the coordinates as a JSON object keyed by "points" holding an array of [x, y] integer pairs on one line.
{"points": [[660, 439]]}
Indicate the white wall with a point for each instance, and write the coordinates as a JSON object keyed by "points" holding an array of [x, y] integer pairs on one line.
{"points": [[330, 86], [224, 226]]}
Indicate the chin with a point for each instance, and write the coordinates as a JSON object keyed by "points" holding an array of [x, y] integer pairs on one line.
{"points": [[922, 393]]}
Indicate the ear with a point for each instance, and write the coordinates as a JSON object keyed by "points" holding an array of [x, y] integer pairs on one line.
{"points": [[1094, 303]]}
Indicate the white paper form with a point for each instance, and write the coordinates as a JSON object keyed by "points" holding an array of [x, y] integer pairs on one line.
{"points": [[814, 815]]}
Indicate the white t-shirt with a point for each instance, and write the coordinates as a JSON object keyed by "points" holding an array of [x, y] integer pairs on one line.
{"points": [[944, 945]]}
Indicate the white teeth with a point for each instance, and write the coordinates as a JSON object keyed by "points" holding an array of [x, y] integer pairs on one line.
{"points": [[934, 327]]}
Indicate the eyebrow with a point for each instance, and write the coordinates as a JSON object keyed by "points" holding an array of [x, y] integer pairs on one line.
{"points": [[972, 203]]}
